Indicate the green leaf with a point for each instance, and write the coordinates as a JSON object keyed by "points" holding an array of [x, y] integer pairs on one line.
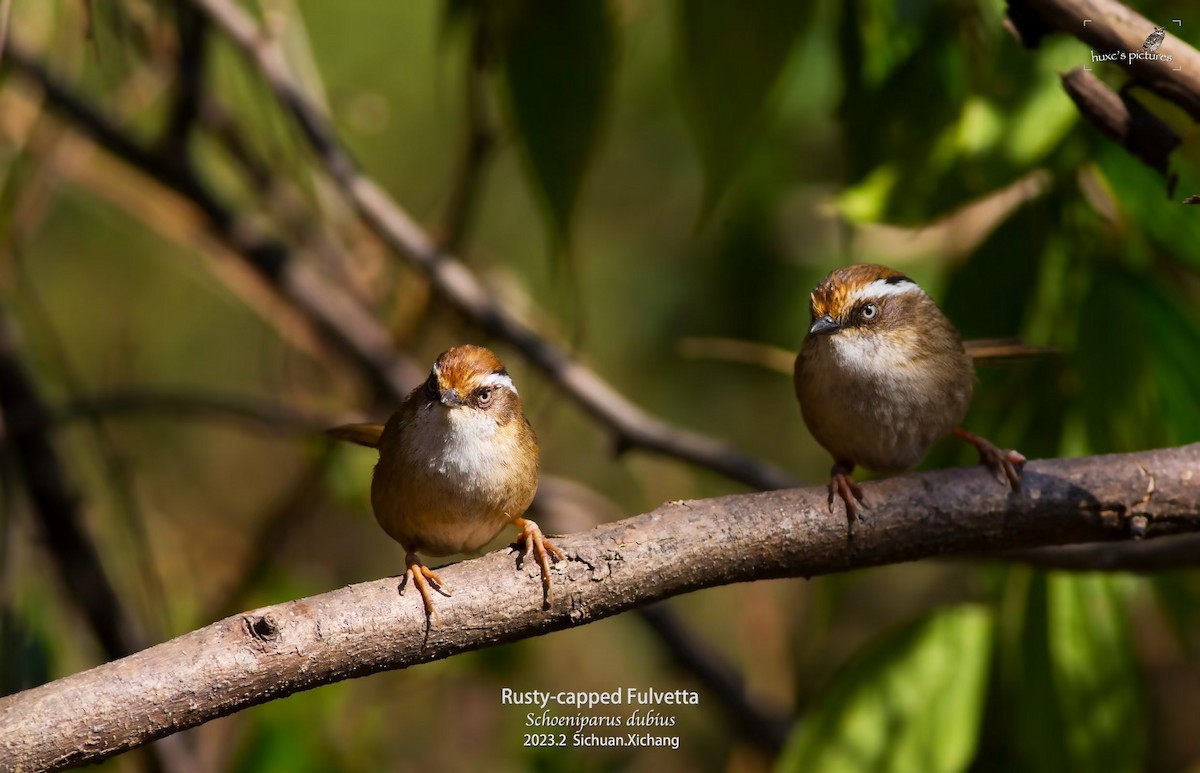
{"points": [[558, 60], [1074, 700], [912, 701], [1178, 600], [1156, 330], [731, 57], [25, 655]]}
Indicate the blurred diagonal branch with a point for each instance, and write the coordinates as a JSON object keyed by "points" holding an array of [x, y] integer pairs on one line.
{"points": [[330, 309], [27, 428], [351, 326], [480, 138], [189, 80], [275, 651], [27, 425], [451, 278]]}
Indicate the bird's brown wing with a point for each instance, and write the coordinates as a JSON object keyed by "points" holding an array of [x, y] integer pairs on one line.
{"points": [[363, 434]]}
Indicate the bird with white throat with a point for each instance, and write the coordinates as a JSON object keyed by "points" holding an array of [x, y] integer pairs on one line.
{"points": [[457, 463], [883, 375]]}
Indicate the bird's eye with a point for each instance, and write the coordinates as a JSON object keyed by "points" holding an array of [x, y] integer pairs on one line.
{"points": [[870, 311], [484, 396]]}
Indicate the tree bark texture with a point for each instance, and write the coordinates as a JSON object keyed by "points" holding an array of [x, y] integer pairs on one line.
{"points": [[268, 653]]}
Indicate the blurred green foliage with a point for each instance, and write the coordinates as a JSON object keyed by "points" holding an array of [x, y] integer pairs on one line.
{"points": [[911, 701], [704, 164]]}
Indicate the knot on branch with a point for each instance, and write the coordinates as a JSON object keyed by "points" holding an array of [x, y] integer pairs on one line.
{"points": [[263, 629]]}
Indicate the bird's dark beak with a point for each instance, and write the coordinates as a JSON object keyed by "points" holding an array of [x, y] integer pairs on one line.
{"points": [[824, 326], [451, 398]]}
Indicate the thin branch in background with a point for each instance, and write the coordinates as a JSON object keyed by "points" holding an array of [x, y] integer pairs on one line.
{"points": [[198, 405], [120, 477], [274, 651], [766, 356], [61, 526], [28, 213], [753, 721], [5, 11], [302, 498], [1144, 557], [633, 426], [478, 142], [27, 427], [982, 351], [192, 29], [283, 201]]}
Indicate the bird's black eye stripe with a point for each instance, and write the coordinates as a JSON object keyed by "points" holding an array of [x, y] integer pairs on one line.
{"points": [[897, 279]]}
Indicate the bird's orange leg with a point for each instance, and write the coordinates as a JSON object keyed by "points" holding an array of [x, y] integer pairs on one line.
{"points": [[842, 484], [421, 577], [542, 549], [1005, 464]]}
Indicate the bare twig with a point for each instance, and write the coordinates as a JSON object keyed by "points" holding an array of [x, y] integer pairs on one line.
{"points": [[275, 651], [477, 145], [633, 426], [303, 497], [1122, 119], [753, 721], [1159, 555], [5, 12], [198, 405], [983, 351], [189, 80]]}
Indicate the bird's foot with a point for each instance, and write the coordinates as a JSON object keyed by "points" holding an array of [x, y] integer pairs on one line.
{"points": [[542, 548], [422, 576], [1005, 464], [842, 484]]}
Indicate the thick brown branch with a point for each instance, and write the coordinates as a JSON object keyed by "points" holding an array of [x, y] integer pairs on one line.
{"points": [[682, 546], [451, 278], [552, 498], [1112, 27], [1122, 118]]}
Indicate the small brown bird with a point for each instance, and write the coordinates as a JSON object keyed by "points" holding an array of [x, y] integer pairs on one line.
{"points": [[882, 375], [457, 463]]}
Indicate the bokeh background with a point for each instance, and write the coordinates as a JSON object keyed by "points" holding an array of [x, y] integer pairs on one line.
{"points": [[640, 181]]}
